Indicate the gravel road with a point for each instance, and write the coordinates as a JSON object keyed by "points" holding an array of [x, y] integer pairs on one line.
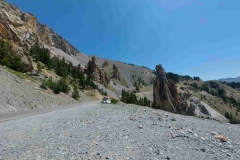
{"points": [[121, 132]]}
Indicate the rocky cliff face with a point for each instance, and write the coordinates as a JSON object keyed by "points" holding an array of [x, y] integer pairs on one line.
{"points": [[23, 29], [165, 94]]}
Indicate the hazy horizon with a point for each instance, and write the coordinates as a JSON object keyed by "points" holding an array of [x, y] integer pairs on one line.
{"points": [[188, 37]]}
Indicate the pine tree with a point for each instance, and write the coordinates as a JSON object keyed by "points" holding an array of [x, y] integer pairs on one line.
{"points": [[75, 93], [64, 85], [39, 67]]}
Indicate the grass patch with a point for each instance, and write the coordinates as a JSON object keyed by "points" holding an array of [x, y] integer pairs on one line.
{"points": [[19, 74], [122, 82]]}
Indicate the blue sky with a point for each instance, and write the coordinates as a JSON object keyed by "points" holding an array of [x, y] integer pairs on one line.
{"points": [[188, 37]]}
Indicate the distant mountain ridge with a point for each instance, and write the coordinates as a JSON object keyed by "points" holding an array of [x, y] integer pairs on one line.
{"points": [[237, 79]]}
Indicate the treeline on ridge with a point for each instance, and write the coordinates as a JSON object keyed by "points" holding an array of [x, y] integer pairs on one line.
{"points": [[234, 85], [177, 78]]}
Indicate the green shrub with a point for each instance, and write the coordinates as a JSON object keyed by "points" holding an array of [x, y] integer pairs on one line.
{"points": [[114, 101], [65, 87], [56, 87], [234, 121], [9, 59], [75, 93], [43, 85], [228, 115]]}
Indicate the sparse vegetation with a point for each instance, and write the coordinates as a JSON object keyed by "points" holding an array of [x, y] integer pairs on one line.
{"points": [[9, 59], [234, 85], [39, 67], [61, 67], [214, 89], [231, 118], [104, 93], [131, 98], [57, 87]]}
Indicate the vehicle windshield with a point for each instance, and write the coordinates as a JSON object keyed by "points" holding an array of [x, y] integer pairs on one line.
{"points": [[105, 98]]}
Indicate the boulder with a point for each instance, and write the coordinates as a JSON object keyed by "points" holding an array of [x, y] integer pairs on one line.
{"points": [[220, 137]]}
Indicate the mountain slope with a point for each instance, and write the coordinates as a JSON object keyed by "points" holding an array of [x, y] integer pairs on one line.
{"points": [[24, 30]]}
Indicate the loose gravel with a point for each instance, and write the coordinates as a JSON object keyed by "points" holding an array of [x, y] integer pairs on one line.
{"points": [[117, 132], [18, 94]]}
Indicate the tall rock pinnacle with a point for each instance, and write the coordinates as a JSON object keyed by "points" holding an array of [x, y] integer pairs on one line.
{"points": [[165, 94]]}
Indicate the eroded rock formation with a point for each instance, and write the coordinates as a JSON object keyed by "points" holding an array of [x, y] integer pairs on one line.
{"points": [[96, 73], [165, 94], [115, 73], [105, 64]]}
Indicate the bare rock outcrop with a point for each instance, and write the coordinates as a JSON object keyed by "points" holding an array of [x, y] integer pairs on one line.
{"points": [[105, 64], [24, 29], [165, 94], [115, 73], [196, 107], [96, 73]]}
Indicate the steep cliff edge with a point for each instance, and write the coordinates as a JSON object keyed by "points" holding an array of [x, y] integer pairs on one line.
{"points": [[24, 29]]}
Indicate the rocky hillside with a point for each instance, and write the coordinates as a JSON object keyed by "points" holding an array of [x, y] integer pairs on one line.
{"points": [[23, 30], [22, 94], [22, 42], [218, 95], [196, 97], [167, 96]]}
